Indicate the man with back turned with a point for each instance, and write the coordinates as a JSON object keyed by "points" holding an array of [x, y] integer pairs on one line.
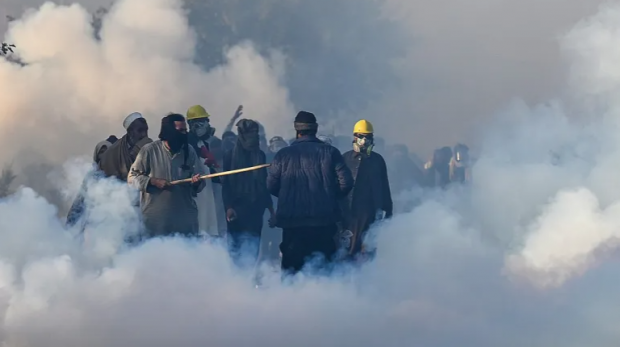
{"points": [[309, 178]]}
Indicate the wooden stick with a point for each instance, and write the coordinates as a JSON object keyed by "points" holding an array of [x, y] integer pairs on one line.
{"points": [[224, 173]]}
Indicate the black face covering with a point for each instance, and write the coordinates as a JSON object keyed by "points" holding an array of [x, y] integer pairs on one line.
{"points": [[177, 140], [249, 141], [248, 137]]}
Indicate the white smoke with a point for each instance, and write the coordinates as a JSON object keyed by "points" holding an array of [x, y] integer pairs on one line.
{"points": [[74, 88], [542, 209]]}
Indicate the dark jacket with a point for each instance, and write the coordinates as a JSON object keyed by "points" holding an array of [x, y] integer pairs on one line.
{"points": [[371, 192], [230, 196], [308, 178]]}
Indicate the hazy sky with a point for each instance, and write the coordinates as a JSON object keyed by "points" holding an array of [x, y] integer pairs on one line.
{"points": [[466, 61]]}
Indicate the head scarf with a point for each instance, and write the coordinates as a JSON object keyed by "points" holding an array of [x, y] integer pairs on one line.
{"points": [[248, 134], [98, 148]]}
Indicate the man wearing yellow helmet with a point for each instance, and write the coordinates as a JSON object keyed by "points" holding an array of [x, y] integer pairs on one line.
{"points": [[212, 216], [201, 136], [371, 199]]}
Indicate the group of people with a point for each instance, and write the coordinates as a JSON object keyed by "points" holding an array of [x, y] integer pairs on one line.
{"points": [[323, 201]]}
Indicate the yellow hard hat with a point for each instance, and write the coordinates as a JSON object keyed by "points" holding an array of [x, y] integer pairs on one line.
{"points": [[363, 127], [197, 112]]}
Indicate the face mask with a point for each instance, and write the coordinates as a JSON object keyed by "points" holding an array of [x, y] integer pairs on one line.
{"points": [[202, 128], [363, 145], [249, 141], [177, 142]]}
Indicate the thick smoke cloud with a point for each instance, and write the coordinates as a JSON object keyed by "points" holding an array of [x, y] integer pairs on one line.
{"points": [[436, 69], [525, 257], [74, 88]]}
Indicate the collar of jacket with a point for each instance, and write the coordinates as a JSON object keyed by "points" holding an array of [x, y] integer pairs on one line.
{"points": [[306, 139], [362, 155]]}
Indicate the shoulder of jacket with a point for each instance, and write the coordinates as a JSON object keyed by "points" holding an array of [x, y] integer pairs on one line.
{"points": [[377, 156]]}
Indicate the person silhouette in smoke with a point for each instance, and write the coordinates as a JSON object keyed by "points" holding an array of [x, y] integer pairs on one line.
{"points": [[245, 194], [168, 209], [403, 171], [275, 145], [370, 200], [78, 207], [460, 171], [437, 170], [308, 178]]}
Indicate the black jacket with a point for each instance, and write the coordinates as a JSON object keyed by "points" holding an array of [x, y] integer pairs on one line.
{"points": [[309, 178], [371, 192]]}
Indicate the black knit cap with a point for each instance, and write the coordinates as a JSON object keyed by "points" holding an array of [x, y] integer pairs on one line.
{"points": [[305, 121]]}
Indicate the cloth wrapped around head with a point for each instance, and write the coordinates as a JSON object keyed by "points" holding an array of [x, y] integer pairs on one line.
{"points": [[100, 149], [248, 135], [305, 121]]}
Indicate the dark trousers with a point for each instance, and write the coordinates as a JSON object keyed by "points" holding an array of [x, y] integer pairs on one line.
{"points": [[244, 236], [313, 246], [243, 248]]}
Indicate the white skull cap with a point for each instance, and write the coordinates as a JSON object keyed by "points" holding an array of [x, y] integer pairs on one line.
{"points": [[131, 118]]}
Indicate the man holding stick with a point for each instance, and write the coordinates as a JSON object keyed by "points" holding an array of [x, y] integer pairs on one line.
{"points": [[167, 208]]}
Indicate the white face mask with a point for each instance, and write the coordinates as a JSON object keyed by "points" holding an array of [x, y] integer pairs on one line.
{"points": [[201, 128], [362, 145]]}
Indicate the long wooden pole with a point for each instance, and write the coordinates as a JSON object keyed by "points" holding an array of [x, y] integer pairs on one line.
{"points": [[223, 173]]}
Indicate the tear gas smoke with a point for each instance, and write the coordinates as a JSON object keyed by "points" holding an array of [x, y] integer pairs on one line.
{"points": [[74, 88], [458, 269]]}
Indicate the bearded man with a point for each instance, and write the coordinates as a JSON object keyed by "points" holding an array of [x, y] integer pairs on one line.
{"points": [[121, 155]]}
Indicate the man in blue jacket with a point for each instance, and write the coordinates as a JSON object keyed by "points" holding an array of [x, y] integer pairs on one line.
{"points": [[309, 178]]}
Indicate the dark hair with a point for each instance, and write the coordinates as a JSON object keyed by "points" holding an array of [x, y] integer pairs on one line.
{"points": [[167, 125]]}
